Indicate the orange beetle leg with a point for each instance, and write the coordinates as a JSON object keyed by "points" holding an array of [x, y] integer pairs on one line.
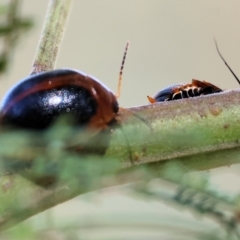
{"points": [[151, 100]]}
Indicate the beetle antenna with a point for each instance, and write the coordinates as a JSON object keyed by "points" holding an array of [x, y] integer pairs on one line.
{"points": [[121, 71], [142, 119], [226, 62]]}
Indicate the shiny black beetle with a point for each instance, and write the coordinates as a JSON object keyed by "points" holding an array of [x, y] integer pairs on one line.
{"points": [[37, 101]]}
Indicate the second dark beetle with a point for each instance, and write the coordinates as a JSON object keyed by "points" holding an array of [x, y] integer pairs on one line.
{"points": [[195, 89], [180, 91]]}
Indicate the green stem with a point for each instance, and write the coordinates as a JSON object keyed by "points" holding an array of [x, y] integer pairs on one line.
{"points": [[51, 36], [201, 133]]}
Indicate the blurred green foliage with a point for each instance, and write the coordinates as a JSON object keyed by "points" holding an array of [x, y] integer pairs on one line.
{"points": [[178, 188], [12, 28]]}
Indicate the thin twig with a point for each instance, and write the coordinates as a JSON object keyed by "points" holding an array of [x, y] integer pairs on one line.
{"points": [[221, 56], [52, 34]]}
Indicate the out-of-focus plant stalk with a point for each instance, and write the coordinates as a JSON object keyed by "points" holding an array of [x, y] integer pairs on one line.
{"points": [[52, 34]]}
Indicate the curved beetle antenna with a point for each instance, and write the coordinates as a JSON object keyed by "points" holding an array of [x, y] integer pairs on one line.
{"points": [[126, 110], [121, 71], [226, 62]]}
